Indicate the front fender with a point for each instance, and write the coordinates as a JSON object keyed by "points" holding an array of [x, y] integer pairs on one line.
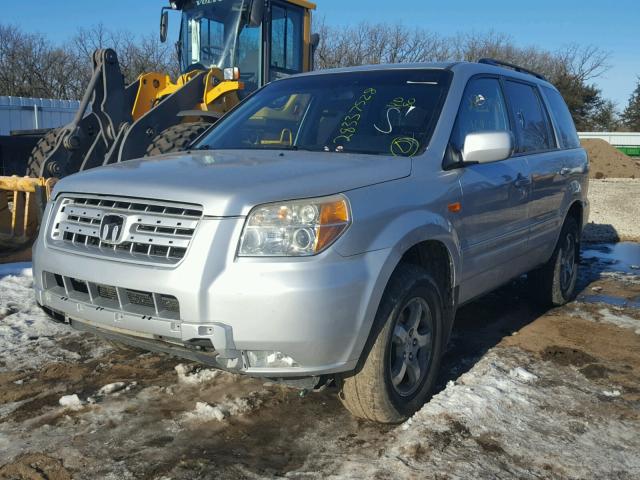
{"points": [[398, 215], [403, 237]]}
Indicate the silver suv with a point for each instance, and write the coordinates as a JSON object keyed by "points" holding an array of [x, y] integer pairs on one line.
{"points": [[328, 227]]}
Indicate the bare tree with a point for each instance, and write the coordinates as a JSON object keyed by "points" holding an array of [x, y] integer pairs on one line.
{"points": [[136, 55], [570, 68], [31, 66], [377, 43]]}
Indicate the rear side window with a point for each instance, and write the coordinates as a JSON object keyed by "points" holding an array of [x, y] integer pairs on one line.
{"points": [[531, 123], [482, 109], [564, 123]]}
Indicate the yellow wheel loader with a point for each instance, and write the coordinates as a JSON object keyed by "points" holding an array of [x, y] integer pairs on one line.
{"points": [[226, 48]]}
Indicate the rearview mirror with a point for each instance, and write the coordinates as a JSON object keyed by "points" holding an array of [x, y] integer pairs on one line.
{"points": [[164, 25], [483, 147]]}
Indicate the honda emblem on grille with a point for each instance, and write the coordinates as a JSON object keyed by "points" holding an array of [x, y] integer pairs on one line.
{"points": [[112, 228]]}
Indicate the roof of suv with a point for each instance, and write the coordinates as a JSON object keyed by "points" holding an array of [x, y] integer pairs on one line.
{"points": [[462, 67]]}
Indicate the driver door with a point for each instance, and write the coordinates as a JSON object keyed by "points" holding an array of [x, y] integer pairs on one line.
{"points": [[493, 220]]}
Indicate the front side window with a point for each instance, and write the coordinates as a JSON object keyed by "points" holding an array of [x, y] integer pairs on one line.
{"points": [[531, 123], [389, 112], [482, 109], [563, 120]]}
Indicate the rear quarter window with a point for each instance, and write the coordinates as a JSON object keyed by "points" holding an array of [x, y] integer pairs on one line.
{"points": [[565, 127]]}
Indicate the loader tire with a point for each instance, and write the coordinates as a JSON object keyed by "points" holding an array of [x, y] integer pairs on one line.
{"points": [[35, 164], [176, 138]]}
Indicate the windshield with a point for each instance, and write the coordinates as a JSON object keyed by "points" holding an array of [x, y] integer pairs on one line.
{"points": [[390, 112], [214, 34]]}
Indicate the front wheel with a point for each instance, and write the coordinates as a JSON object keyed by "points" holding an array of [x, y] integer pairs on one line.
{"points": [[554, 284], [404, 350]]}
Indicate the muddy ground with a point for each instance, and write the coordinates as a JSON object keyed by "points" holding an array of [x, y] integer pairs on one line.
{"points": [[523, 393]]}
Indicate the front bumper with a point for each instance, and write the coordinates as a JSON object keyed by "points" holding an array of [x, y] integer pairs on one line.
{"points": [[315, 310]]}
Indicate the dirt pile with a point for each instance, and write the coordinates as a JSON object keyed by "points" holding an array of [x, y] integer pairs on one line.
{"points": [[609, 162]]}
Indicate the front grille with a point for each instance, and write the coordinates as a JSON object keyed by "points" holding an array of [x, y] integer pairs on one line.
{"points": [[169, 303], [108, 292], [137, 297], [107, 296], [151, 232]]}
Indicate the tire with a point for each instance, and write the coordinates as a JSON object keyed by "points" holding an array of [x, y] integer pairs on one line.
{"points": [[40, 152], [176, 138], [554, 284], [379, 390]]}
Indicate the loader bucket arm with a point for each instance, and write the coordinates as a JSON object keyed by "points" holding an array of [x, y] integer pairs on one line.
{"points": [[83, 143], [163, 115]]}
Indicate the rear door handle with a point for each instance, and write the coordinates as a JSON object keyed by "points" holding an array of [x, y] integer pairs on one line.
{"points": [[564, 171]]}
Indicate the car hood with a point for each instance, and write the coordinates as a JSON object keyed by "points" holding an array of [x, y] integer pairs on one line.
{"points": [[231, 182]]}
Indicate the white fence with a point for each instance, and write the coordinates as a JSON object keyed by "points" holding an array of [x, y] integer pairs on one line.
{"points": [[20, 113], [617, 139]]}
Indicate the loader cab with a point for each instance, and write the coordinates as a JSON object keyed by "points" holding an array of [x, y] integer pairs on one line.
{"points": [[266, 41]]}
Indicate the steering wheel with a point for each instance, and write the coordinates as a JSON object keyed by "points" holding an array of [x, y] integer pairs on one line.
{"points": [[195, 66]]}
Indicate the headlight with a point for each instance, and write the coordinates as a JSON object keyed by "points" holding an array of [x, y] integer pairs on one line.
{"points": [[296, 228]]}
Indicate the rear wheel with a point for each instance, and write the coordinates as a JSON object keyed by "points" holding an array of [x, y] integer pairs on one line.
{"points": [[176, 138], [400, 369], [35, 164], [554, 283]]}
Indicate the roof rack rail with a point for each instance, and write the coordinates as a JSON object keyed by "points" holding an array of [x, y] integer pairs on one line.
{"points": [[500, 63]]}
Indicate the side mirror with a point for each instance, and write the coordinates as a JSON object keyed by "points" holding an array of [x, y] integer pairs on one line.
{"points": [[314, 40], [164, 25], [483, 147], [256, 11]]}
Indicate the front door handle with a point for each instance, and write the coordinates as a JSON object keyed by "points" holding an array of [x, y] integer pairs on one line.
{"points": [[521, 182]]}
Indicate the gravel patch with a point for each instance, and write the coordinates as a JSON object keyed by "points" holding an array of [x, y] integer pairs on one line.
{"points": [[615, 210]]}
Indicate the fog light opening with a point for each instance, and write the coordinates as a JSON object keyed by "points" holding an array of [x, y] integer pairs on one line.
{"points": [[269, 359]]}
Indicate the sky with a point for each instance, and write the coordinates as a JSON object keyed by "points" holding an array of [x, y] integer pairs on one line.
{"points": [[550, 24]]}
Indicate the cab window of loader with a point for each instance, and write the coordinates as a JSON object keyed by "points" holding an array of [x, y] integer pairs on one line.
{"points": [[286, 41], [248, 58], [210, 33]]}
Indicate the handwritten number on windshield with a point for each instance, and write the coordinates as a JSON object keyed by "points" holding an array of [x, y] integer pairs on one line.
{"points": [[396, 105], [350, 122]]}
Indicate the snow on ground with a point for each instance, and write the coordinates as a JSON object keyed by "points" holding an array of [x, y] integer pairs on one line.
{"points": [[28, 339], [527, 405], [195, 375], [620, 319], [226, 408], [487, 410]]}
